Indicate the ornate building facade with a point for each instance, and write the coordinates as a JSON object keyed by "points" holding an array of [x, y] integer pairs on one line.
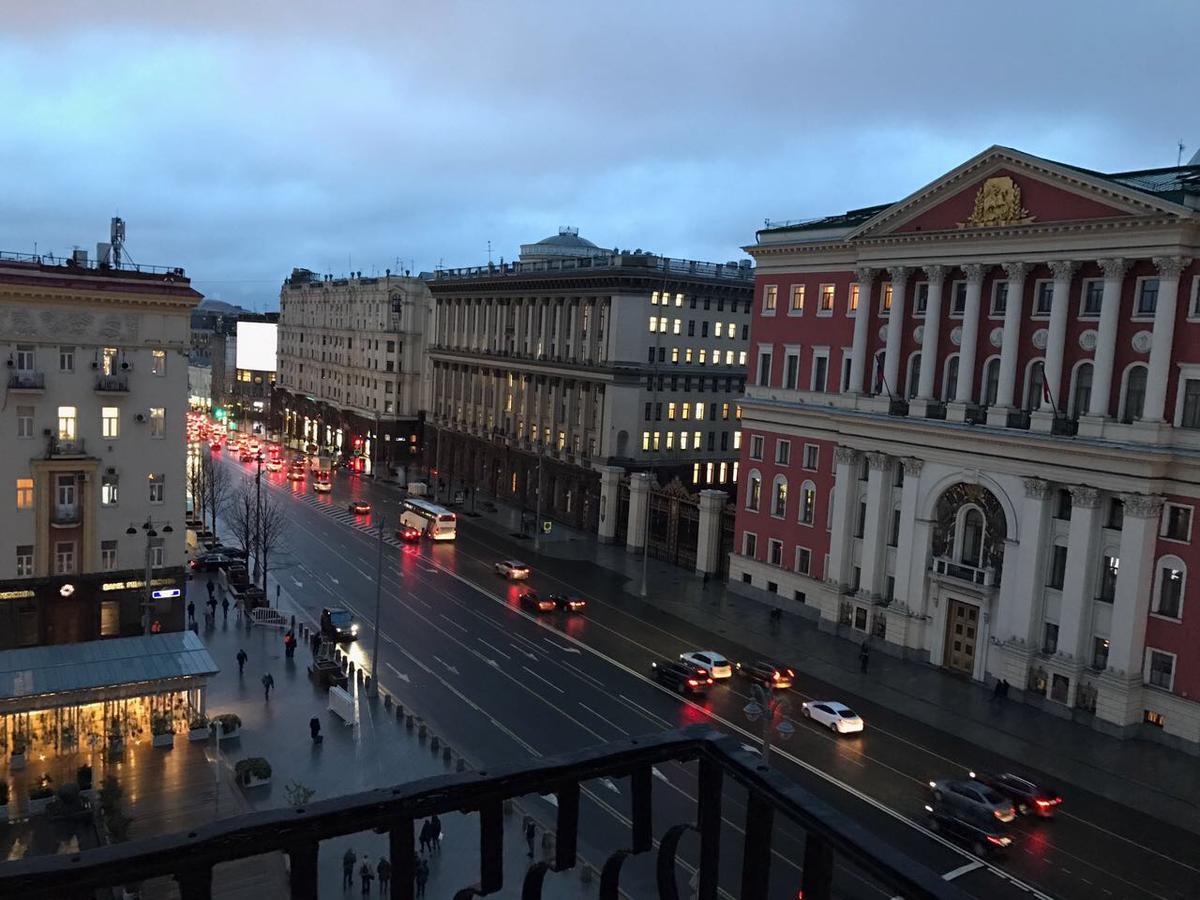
{"points": [[971, 432]]}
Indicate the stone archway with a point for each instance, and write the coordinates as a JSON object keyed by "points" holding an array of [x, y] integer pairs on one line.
{"points": [[945, 519]]}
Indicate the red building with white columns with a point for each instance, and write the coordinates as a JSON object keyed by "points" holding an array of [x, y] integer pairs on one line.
{"points": [[972, 431]]}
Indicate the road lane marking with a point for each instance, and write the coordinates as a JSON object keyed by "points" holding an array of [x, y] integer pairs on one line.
{"points": [[560, 646], [493, 648], [962, 870], [446, 664], [549, 684], [653, 717], [619, 729], [523, 652], [582, 674], [399, 674], [452, 622]]}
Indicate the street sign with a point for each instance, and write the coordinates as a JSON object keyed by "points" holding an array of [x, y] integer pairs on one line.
{"points": [[546, 526]]}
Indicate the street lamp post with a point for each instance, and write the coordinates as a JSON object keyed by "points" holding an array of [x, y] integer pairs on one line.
{"points": [[148, 599], [537, 524], [258, 515], [375, 450], [373, 690], [765, 705]]}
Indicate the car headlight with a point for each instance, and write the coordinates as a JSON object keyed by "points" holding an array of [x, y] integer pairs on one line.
{"points": [[354, 629]]}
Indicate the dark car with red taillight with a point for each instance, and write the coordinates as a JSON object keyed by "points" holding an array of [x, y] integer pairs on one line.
{"points": [[680, 677], [767, 673], [1028, 797]]}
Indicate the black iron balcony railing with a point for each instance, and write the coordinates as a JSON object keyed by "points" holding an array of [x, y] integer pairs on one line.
{"points": [[26, 381], [57, 446], [830, 835], [106, 384]]}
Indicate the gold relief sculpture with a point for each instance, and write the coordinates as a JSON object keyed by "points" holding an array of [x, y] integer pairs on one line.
{"points": [[998, 202]]}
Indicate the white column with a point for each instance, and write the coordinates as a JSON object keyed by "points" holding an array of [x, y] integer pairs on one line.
{"points": [[970, 334], [610, 502], [1106, 343], [1021, 579], [1135, 581], [1169, 268], [878, 518], [1014, 311], [911, 558], [708, 545], [1083, 566], [1060, 305], [895, 329], [933, 322], [639, 508], [845, 478], [862, 326]]}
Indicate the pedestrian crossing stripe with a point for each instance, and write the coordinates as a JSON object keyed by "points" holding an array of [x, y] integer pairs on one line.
{"points": [[347, 518]]}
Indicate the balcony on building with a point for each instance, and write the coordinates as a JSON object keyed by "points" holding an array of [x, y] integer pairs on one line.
{"points": [[65, 515], [26, 382], [64, 448], [979, 576], [836, 846], [112, 384]]}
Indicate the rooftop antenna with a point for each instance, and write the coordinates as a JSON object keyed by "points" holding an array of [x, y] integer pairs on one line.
{"points": [[489, 253], [1179, 154], [116, 237]]}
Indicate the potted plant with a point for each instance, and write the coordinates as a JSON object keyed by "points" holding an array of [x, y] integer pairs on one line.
{"points": [[3, 801], [41, 795], [198, 729], [228, 726], [83, 778], [16, 761], [163, 730], [252, 771]]}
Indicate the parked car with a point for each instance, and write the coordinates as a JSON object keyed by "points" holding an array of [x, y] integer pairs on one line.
{"points": [[833, 715], [210, 562], [512, 569], [983, 834], [535, 602], [680, 677], [1030, 799], [972, 797], [567, 603], [768, 674], [714, 664], [338, 624], [359, 507]]}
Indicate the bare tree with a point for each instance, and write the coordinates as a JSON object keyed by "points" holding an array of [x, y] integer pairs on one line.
{"points": [[218, 489], [197, 485], [239, 515], [272, 525]]}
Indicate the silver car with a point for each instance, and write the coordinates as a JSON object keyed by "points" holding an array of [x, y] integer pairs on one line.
{"points": [[972, 797]]}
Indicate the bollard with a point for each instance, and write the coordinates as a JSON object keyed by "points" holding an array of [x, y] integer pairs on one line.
{"points": [[462, 764], [399, 710], [434, 743], [447, 754], [408, 722], [350, 663], [421, 731], [507, 807], [366, 681], [586, 874], [387, 701]]}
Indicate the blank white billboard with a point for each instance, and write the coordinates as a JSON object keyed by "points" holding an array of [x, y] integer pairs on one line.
{"points": [[257, 346]]}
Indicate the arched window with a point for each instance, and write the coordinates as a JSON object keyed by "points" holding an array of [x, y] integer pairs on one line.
{"points": [[1035, 385], [970, 536], [808, 503], [779, 492], [877, 385], [1133, 393], [1169, 581], [753, 490], [950, 378], [991, 382], [914, 375], [1081, 390]]}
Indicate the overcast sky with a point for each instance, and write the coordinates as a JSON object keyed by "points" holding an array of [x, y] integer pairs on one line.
{"points": [[240, 138]]}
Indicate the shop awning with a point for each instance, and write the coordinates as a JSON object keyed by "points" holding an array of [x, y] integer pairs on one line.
{"points": [[64, 674]]}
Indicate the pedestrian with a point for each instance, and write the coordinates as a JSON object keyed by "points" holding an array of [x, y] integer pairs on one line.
{"points": [[211, 587], [422, 875], [366, 876], [384, 871], [530, 834], [997, 691], [191, 612], [225, 607], [435, 834], [1004, 692], [426, 835], [348, 860], [706, 579], [268, 682], [289, 645], [241, 659], [864, 657], [316, 643], [212, 605], [314, 727]]}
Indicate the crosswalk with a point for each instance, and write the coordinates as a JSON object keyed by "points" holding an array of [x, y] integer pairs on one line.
{"points": [[343, 515]]}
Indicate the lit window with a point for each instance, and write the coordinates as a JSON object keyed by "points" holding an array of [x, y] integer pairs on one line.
{"points": [[156, 488], [679, 299], [737, 440], [885, 301], [828, 297], [66, 423], [770, 298], [717, 329], [695, 473], [703, 356], [158, 362], [708, 473], [797, 305], [675, 354], [699, 411], [854, 298], [683, 440], [729, 357], [654, 300], [696, 440], [677, 327], [671, 412], [687, 355], [808, 503], [653, 324], [732, 331], [670, 440], [662, 324], [724, 472], [742, 358], [110, 422], [109, 489], [24, 493], [158, 421]]}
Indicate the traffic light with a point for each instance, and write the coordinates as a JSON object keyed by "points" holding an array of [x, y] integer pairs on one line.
{"points": [[219, 413]]}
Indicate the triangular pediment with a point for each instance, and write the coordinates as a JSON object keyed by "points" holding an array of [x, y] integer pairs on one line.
{"points": [[1003, 188]]}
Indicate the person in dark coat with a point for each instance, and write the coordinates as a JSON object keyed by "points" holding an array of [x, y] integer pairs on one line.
{"points": [[435, 834], [366, 875], [384, 871], [348, 861], [191, 612], [426, 835], [530, 834], [268, 682], [864, 657], [225, 608], [241, 661], [314, 727], [422, 876]]}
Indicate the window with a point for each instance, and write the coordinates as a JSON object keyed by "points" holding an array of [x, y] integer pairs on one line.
{"points": [[894, 534], [1190, 413], [1062, 505], [1176, 522], [66, 359], [671, 412], [157, 552], [1050, 638], [753, 491], [64, 558], [803, 560], [1081, 391], [670, 440], [662, 324], [1147, 297], [770, 299], [157, 422], [999, 298], [1160, 669], [1043, 298], [156, 488], [1100, 653], [913, 377], [885, 298], [852, 302], [958, 299], [950, 380], [1058, 567], [741, 358], [645, 440], [812, 454], [1093, 298], [1108, 578], [991, 382], [24, 421], [971, 537], [1116, 514], [764, 366], [24, 493], [108, 555], [796, 307], [26, 361], [791, 369], [828, 299], [783, 452], [110, 422], [1035, 385], [1133, 395], [756, 443], [653, 324], [677, 326], [921, 299], [1168, 591], [820, 370], [775, 552], [66, 423], [109, 489], [158, 362], [779, 490], [750, 544], [808, 503], [24, 560]]}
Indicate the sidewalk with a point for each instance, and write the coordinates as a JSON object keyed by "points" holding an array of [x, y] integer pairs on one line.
{"points": [[1146, 776]]}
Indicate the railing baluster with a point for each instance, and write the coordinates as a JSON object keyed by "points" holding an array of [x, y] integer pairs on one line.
{"points": [[665, 864], [195, 883], [817, 876], [709, 823], [756, 849], [567, 834], [491, 847], [643, 822], [403, 857], [610, 876], [302, 860]]}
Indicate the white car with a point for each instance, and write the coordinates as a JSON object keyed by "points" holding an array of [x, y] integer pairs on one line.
{"points": [[833, 715], [709, 661], [512, 569]]}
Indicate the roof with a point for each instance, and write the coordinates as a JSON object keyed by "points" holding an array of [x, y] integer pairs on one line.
{"points": [[849, 219], [61, 668], [568, 239]]}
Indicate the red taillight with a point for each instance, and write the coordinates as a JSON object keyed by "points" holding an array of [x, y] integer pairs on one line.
{"points": [[1001, 813], [692, 682], [791, 674], [999, 842], [710, 681]]}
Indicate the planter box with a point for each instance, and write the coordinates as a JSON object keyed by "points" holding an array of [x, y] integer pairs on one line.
{"points": [[39, 805], [163, 740], [199, 734], [16, 762], [251, 781], [228, 735]]}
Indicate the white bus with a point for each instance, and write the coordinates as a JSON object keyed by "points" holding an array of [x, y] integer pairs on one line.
{"points": [[430, 519]]}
